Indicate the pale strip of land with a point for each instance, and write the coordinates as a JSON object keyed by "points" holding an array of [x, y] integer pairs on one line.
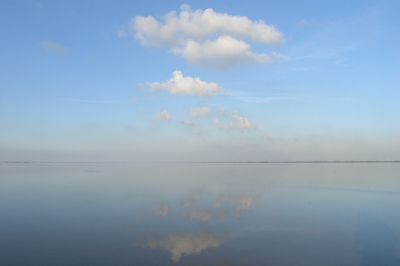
{"points": [[183, 162]]}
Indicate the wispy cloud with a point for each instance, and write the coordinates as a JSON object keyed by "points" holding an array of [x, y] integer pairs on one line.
{"points": [[269, 138], [303, 22], [91, 101], [269, 99], [121, 33], [54, 47]]}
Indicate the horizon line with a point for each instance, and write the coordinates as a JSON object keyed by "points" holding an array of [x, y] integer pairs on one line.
{"points": [[182, 162]]}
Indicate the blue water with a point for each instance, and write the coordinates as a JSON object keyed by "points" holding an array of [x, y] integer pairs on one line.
{"points": [[200, 214]]}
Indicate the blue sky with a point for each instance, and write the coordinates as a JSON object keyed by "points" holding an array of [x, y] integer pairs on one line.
{"points": [[287, 80]]}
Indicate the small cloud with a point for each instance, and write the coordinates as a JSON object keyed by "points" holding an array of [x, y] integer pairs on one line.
{"points": [[179, 245], [179, 84], [241, 122], [188, 123], [218, 124], [198, 215], [303, 22], [54, 47], [164, 115], [201, 111], [221, 112], [121, 33], [162, 211]]}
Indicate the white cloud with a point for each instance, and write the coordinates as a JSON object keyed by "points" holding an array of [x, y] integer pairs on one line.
{"points": [[200, 111], [162, 211], [238, 123], [241, 122], [208, 38], [179, 84], [164, 115], [188, 123], [199, 215], [200, 25], [54, 47], [179, 245], [222, 53]]}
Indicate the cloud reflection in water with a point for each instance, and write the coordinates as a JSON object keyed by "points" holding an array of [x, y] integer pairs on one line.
{"points": [[198, 215], [162, 211], [179, 245], [240, 203]]}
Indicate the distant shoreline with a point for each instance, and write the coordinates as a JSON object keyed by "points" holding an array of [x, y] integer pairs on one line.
{"points": [[200, 162]]}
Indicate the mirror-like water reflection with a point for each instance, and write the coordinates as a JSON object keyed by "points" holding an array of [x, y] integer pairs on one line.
{"points": [[200, 214]]}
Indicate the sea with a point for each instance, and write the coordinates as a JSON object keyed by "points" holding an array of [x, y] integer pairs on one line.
{"points": [[200, 213]]}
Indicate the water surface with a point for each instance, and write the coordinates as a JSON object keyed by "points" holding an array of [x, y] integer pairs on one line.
{"points": [[199, 214]]}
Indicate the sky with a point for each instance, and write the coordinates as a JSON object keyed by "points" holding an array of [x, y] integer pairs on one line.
{"points": [[199, 80]]}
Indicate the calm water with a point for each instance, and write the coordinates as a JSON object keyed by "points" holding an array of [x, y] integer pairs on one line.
{"points": [[200, 214]]}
